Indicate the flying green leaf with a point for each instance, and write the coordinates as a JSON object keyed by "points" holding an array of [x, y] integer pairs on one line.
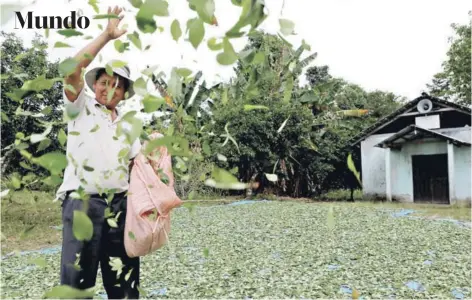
{"points": [[67, 66], [352, 167], [55, 162], [134, 38], [68, 292], [206, 252], [38, 84], [222, 179], [330, 218], [120, 46], [112, 223], [110, 94], [62, 137], [139, 86], [150, 70], [131, 235], [95, 128], [82, 226], [152, 103], [177, 146], [119, 64], [44, 144], [282, 126], [213, 45], [205, 10], [354, 112], [196, 31], [248, 107], [61, 45], [286, 26], [69, 32], [228, 56], [93, 4], [106, 16], [88, 168], [251, 14], [135, 131], [146, 13], [136, 3], [175, 30], [184, 72], [109, 70]]}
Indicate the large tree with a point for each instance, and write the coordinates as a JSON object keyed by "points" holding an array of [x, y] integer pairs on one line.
{"points": [[454, 82], [280, 127], [22, 117]]}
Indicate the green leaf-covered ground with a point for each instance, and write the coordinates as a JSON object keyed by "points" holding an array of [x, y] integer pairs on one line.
{"points": [[286, 250]]}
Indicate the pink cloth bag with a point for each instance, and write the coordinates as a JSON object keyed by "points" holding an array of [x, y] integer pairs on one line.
{"points": [[150, 201]]}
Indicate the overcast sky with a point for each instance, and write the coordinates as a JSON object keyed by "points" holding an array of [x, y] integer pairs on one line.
{"points": [[394, 46]]}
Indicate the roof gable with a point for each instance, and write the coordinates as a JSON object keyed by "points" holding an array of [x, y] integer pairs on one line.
{"points": [[414, 132], [404, 110]]}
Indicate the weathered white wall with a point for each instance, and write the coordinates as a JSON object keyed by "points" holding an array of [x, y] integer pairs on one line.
{"points": [[462, 165], [373, 166], [462, 176]]}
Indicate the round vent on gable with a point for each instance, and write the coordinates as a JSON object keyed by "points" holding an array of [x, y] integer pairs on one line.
{"points": [[425, 106]]}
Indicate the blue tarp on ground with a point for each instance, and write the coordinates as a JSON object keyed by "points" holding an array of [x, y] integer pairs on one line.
{"points": [[50, 250], [242, 202], [407, 212]]}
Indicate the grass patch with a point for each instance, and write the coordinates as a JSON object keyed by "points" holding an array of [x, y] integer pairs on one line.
{"points": [[341, 195], [27, 221], [427, 210], [457, 212]]}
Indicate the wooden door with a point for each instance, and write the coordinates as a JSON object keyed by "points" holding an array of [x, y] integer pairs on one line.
{"points": [[430, 178]]}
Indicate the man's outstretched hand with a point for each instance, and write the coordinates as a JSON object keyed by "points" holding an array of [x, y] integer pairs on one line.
{"points": [[112, 30]]}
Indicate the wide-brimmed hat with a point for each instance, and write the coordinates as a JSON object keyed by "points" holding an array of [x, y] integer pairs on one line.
{"points": [[121, 71]]}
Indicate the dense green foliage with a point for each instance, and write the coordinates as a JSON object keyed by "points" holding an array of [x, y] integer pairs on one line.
{"points": [[302, 140], [454, 82], [33, 113]]}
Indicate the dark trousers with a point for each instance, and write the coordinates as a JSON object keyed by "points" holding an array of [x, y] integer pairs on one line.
{"points": [[106, 244]]}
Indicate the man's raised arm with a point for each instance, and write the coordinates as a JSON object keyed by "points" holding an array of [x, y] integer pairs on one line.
{"points": [[86, 55]]}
